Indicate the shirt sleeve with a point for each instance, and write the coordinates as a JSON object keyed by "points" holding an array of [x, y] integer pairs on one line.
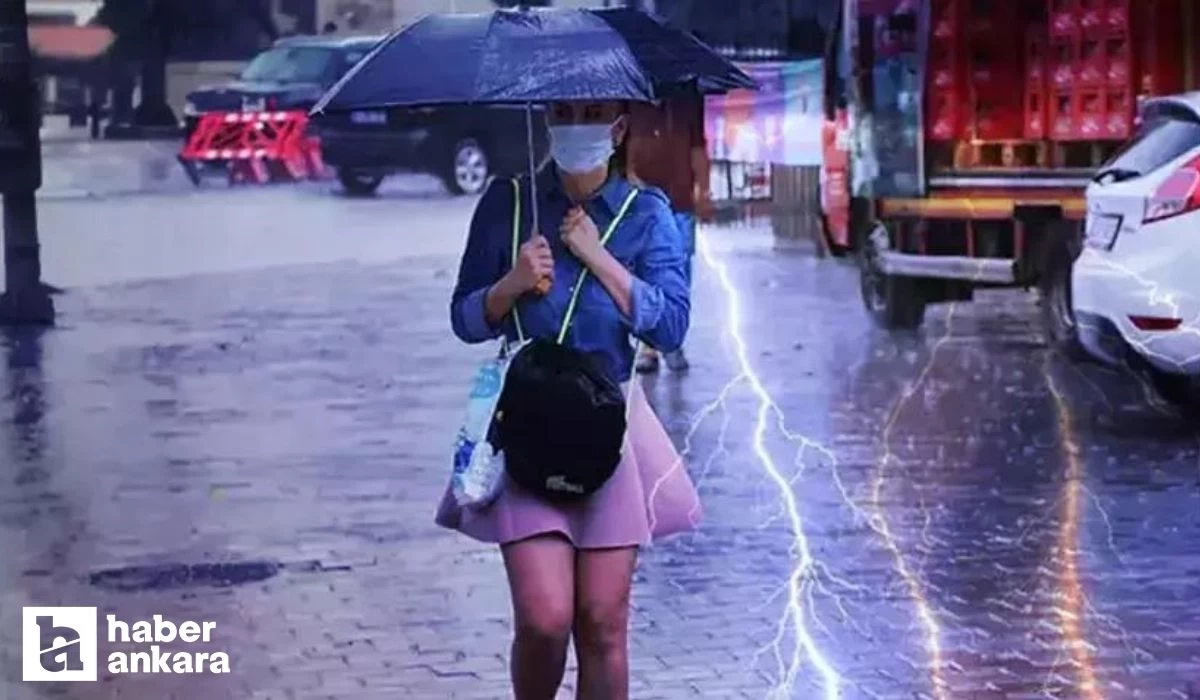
{"points": [[661, 301], [482, 265]]}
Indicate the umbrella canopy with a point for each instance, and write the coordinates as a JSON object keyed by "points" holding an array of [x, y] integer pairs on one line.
{"points": [[531, 56]]}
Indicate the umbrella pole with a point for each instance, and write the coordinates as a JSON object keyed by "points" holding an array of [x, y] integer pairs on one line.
{"points": [[532, 166]]}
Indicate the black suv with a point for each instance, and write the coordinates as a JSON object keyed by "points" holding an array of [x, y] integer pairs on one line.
{"points": [[463, 145]]}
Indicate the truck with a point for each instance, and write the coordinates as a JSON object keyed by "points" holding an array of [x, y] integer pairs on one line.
{"points": [[960, 136]]}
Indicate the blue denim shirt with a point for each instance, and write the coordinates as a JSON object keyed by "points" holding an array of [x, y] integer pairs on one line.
{"points": [[646, 241]]}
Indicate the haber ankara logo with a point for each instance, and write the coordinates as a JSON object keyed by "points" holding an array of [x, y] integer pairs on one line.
{"points": [[59, 644]]}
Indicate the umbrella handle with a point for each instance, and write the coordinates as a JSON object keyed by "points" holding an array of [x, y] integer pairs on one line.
{"points": [[533, 193]]}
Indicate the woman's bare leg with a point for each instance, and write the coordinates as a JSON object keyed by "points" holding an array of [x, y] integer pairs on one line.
{"points": [[602, 581], [541, 576]]}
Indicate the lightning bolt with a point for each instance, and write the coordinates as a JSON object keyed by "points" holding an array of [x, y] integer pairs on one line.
{"points": [[807, 573], [1070, 609], [930, 627]]}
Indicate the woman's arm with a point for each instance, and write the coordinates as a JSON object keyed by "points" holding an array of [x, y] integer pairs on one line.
{"points": [[654, 298], [615, 279], [476, 312]]}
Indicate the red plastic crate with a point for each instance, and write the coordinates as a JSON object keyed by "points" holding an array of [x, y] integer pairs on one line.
{"points": [[944, 122], [1118, 63], [1117, 17], [1119, 113], [945, 66], [1064, 21], [1063, 63], [989, 69], [1063, 115], [1091, 69], [946, 19], [1035, 114], [1092, 16], [1035, 62], [1090, 120]]}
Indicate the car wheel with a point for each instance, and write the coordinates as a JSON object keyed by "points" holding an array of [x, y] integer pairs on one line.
{"points": [[1057, 307], [469, 168], [1180, 390], [359, 184], [894, 303]]}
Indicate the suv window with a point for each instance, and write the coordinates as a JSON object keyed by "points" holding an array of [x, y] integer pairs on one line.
{"points": [[296, 64], [1158, 143]]}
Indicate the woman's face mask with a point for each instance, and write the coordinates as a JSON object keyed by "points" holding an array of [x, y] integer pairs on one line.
{"points": [[581, 148]]}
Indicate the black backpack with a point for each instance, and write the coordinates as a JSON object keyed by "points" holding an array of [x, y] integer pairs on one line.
{"points": [[561, 418]]}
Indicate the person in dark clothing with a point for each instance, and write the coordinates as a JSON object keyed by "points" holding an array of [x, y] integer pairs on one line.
{"points": [[667, 150]]}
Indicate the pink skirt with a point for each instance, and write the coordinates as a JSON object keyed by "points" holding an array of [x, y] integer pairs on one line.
{"points": [[649, 496]]}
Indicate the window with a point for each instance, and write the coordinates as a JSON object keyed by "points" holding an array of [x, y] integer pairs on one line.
{"points": [[295, 64], [1160, 142]]}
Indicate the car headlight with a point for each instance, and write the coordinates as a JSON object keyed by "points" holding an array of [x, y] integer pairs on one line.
{"points": [[189, 109]]}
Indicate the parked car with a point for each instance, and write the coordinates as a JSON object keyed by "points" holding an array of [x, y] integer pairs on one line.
{"points": [[463, 145], [291, 75], [1135, 291]]}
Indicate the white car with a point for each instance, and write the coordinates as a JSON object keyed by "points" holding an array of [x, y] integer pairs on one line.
{"points": [[1135, 289]]}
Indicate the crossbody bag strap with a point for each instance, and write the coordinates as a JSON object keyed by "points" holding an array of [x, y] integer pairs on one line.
{"points": [[516, 244], [612, 227]]}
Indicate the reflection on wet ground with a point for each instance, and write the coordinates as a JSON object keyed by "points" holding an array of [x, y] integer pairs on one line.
{"points": [[972, 517]]}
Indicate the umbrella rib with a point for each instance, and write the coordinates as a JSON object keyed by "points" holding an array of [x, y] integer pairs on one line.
{"points": [[354, 70]]}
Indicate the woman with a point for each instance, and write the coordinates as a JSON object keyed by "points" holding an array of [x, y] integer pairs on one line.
{"points": [[570, 566]]}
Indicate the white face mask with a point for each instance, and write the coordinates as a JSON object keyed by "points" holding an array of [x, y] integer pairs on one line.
{"points": [[581, 148]]}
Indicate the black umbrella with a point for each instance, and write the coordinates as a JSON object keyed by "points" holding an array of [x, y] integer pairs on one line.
{"points": [[523, 57]]}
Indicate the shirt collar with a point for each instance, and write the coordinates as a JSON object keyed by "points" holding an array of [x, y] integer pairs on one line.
{"points": [[612, 193]]}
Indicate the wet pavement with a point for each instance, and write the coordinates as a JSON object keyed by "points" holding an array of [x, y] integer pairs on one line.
{"points": [[246, 421]]}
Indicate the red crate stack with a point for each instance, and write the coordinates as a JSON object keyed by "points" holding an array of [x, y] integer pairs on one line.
{"points": [[947, 69], [996, 109], [1092, 69]]}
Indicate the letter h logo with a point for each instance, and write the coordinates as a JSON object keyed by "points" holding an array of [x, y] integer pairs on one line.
{"points": [[59, 644]]}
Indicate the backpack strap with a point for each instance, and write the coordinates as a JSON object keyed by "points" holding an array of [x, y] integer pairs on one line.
{"points": [[612, 227], [516, 244]]}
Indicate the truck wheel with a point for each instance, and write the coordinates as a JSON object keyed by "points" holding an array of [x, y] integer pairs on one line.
{"points": [[895, 303], [357, 183], [468, 169], [1057, 309]]}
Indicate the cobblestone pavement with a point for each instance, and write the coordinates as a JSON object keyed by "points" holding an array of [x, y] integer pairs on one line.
{"points": [[263, 448]]}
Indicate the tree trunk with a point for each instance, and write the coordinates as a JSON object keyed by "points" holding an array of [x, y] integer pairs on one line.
{"points": [[24, 300], [153, 109]]}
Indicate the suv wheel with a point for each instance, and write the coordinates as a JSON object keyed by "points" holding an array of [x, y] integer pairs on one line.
{"points": [[1179, 390], [468, 172], [359, 184]]}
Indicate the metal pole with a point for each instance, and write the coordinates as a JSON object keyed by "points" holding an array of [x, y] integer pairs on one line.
{"points": [[25, 300], [533, 195]]}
